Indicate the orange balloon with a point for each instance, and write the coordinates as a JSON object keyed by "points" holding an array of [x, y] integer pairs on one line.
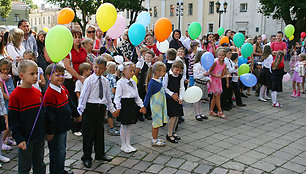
{"points": [[65, 16], [162, 29], [224, 39]]}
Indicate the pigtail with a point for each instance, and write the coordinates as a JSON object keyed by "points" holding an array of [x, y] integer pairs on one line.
{"points": [[149, 76], [277, 60]]}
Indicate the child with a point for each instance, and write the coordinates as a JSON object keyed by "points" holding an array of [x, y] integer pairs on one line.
{"points": [[180, 55], [88, 44], [293, 60], [7, 88], [142, 69], [265, 73], [157, 99], [201, 77], [85, 71], [234, 82], [126, 100], [59, 111], [3, 117], [173, 84], [110, 75], [277, 77], [171, 55], [141, 59], [94, 96], [194, 46], [24, 106], [217, 72], [226, 95], [40, 84], [296, 79]]}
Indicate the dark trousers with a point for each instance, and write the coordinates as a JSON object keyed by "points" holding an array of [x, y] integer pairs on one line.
{"points": [[57, 153], [32, 156], [226, 96], [93, 131], [236, 89], [70, 86]]}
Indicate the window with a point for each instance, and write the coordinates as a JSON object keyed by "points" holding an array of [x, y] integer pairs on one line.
{"points": [[211, 7], [210, 28], [44, 20], [3, 19], [244, 7], [155, 11], [17, 17], [35, 21], [31, 21], [49, 20], [39, 21], [257, 29], [127, 14], [190, 9], [171, 10], [172, 27]]}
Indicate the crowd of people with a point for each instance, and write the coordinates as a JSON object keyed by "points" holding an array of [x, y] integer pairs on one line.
{"points": [[113, 80]]}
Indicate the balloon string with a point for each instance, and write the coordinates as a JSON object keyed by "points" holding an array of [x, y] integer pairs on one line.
{"points": [[40, 107]]}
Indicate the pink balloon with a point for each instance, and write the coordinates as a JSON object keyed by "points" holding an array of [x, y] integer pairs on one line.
{"points": [[118, 28], [286, 77]]}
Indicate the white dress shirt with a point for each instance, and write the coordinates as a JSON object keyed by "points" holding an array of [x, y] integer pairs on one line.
{"points": [[14, 53], [56, 88], [229, 66], [165, 85], [235, 72], [78, 86], [90, 93], [267, 63], [124, 90], [199, 71]]}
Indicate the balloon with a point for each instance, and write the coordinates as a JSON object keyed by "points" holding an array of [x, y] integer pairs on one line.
{"points": [[243, 69], [193, 94], [65, 16], [59, 43], [162, 29], [220, 31], [207, 60], [242, 60], [135, 79], [224, 39], [238, 39], [144, 18], [263, 36], [303, 43], [291, 38], [46, 29], [286, 77], [289, 30], [247, 50], [137, 33], [106, 16], [118, 28], [194, 30], [162, 46], [248, 79], [303, 34]]}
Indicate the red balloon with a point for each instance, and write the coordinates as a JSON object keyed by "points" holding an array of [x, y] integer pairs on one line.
{"points": [[303, 34]]}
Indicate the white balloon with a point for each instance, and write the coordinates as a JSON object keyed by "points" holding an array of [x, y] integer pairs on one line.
{"points": [[162, 46], [193, 94]]}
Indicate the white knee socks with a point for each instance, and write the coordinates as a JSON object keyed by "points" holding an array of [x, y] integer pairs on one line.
{"points": [[262, 92], [274, 96], [197, 108]]}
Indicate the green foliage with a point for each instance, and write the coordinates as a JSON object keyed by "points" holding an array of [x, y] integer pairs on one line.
{"points": [[5, 8], [30, 3]]}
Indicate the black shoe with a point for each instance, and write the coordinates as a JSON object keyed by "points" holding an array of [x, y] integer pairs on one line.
{"points": [[199, 118], [171, 139], [243, 95], [176, 137], [87, 163], [241, 105], [106, 158], [141, 118], [148, 117], [204, 117], [181, 119], [68, 172]]}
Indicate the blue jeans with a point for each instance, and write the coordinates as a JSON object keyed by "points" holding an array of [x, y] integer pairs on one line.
{"points": [[33, 155], [57, 153]]}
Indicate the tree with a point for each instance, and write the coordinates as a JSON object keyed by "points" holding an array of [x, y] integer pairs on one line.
{"points": [[30, 3], [87, 8], [5, 8], [291, 12]]}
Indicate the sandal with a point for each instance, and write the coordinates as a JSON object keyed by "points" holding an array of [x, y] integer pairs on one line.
{"points": [[221, 115], [212, 113], [176, 137], [171, 139], [199, 118]]}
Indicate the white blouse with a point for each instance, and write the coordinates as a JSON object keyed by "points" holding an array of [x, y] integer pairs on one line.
{"points": [[267, 63], [199, 71]]}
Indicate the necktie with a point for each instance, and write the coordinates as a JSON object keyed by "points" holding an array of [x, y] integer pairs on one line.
{"points": [[100, 88], [130, 84]]}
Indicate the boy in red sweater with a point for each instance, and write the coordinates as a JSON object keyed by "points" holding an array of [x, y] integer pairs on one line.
{"points": [[59, 111], [27, 126]]}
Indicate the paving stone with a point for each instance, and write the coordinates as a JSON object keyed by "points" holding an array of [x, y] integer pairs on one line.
{"points": [[234, 172], [175, 162], [155, 168], [189, 166], [295, 167], [264, 166], [104, 168], [217, 159], [202, 168], [117, 170], [151, 157], [142, 166], [234, 165], [162, 159], [168, 170], [281, 170], [182, 172], [117, 160], [219, 171], [251, 170], [131, 171]]}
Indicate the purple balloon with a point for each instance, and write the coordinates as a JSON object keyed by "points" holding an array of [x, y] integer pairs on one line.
{"points": [[207, 60]]}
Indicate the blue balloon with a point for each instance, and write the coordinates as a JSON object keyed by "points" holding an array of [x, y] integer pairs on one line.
{"points": [[137, 33], [207, 60], [248, 79], [242, 60], [144, 18]]}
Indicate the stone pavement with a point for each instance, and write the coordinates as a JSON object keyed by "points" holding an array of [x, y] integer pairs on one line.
{"points": [[254, 139]]}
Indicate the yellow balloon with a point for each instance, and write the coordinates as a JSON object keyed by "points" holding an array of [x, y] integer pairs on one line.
{"points": [[46, 29], [291, 38], [106, 16], [135, 79]]}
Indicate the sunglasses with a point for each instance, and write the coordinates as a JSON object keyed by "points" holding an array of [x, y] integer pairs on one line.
{"points": [[91, 32]]}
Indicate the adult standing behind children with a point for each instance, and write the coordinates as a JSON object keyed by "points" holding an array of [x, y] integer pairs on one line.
{"points": [[279, 45], [28, 41]]}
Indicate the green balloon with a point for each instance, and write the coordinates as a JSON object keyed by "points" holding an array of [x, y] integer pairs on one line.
{"points": [[243, 69], [289, 30], [247, 50], [194, 30], [238, 39], [220, 31], [58, 43]]}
